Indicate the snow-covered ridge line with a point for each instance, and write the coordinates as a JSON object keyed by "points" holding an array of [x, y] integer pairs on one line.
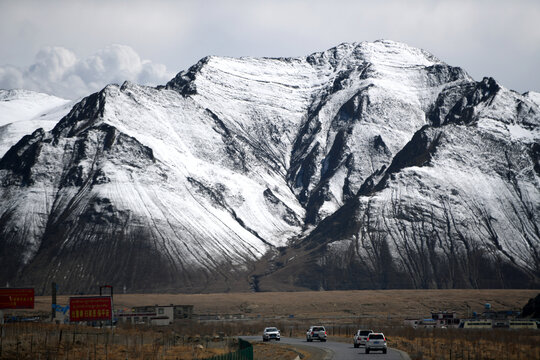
{"points": [[257, 173]]}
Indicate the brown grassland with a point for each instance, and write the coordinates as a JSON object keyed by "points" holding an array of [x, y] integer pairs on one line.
{"points": [[233, 314], [180, 341], [396, 304]]}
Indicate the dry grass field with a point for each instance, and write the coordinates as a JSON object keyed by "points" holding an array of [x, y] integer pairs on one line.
{"points": [[233, 314], [452, 344], [393, 304], [459, 344], [52, 341]]}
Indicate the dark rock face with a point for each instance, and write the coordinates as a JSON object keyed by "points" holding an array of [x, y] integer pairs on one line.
{"points": [[184, 82], [367, 166], [532, 308], [22, 157]]}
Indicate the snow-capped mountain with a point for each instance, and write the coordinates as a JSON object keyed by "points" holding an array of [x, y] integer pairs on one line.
{"points": [[365, 166], [23, 111]]}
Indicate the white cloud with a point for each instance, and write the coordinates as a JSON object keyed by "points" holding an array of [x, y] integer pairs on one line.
{"points": [[10, 77], [486, 37], [58, 71]]}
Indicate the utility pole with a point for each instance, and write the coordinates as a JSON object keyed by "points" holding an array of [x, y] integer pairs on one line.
{"points": [[53, 301], [112, 303]]}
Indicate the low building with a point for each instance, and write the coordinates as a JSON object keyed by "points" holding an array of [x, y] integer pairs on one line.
{"points": [[156, 314], [160, 320], [439, 319], [446, 319], [477, 324], [136, 318], [183, 312], [500, 315]]}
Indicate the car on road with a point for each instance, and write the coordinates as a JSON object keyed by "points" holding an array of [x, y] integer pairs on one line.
{"points": [[316, 333], [376, 341], [360, 337], [270, 333]]}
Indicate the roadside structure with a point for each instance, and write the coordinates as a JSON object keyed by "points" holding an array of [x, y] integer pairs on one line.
{"points": [[156, 314]]}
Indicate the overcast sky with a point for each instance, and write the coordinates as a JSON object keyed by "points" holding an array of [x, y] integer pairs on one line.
{"points": [[72, 48]]}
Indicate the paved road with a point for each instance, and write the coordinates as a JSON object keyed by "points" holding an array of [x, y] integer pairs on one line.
{"points": [[337, 350]]}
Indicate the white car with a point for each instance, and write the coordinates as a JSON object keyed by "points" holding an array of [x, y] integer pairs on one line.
{"points": [[360, 337], [376, 341], [316, 333], [270, 333]]}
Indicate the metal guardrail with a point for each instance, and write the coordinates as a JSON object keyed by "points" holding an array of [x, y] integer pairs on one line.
{"points": [[245, 352]]}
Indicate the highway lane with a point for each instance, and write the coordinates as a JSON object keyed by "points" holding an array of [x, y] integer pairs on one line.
{"points": [[337, 350]]}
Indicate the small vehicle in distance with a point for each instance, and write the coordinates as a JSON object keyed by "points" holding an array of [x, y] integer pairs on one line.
{"points": [[270, 333], [360, 337], [376, 341], [316, 333]]}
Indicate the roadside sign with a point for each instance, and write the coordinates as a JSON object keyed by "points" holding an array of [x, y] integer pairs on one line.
{"points": [[90, 308], [16, 298]]}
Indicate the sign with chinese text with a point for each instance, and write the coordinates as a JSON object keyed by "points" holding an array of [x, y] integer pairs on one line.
{"points": [[16, 298], [90, 308]]}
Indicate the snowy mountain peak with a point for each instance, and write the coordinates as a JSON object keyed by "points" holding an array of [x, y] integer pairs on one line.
{"points": [[15, 94], [22, 105], [345, 56], [23, 111], [380, 52], [368, 161]]}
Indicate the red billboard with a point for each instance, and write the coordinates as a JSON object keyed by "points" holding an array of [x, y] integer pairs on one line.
{"points": [[16, 298], [90, 308]]}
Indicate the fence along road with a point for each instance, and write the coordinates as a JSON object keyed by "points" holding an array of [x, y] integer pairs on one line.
{"points": [[336, 350]]}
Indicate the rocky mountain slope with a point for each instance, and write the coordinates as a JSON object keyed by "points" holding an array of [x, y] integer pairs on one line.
{"points": [[370, 165]]}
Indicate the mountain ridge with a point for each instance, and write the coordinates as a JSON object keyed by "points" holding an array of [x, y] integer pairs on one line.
{"points": [[216, 180]]}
